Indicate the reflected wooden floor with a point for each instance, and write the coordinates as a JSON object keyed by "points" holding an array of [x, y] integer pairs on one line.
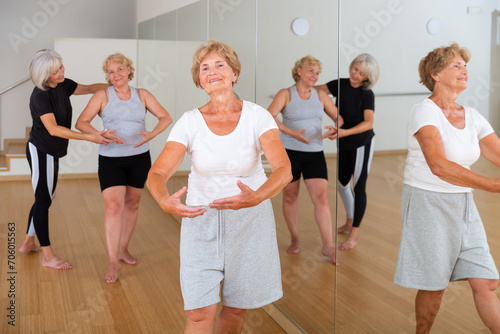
{"points": [[147, 297]]}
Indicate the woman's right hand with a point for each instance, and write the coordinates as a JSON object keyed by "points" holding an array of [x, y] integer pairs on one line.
{"points": [[173, 205], [297, 134]]}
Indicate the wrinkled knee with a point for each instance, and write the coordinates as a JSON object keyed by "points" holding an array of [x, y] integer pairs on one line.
{"points": [[322, 200], [133, 205], [200, 314], [113, 208], [483, 285], [290, 197], [235, 312]]}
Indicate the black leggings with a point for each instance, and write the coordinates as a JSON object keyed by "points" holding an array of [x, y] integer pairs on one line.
{"points": [[355, 164], [44, 173]]}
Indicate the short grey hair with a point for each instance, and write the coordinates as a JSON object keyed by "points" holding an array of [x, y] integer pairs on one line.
{"points": [[43, 64], [370, 65]]}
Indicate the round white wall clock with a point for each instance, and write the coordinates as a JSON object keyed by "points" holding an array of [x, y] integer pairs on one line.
{"points": [[300, 26]]}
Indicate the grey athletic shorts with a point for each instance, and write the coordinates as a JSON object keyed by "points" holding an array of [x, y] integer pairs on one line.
{"points": [[237, 248], [443, 240]]}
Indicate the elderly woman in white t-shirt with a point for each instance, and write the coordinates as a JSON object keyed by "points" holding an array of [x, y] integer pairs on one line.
{"points": [[443, 238], [228, 232]]}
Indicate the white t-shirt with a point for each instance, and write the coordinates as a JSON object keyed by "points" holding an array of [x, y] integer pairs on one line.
{"points": [[461, 145], [218, 162]]}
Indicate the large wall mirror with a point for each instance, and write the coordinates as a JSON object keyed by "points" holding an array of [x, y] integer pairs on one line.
{"points": [[357, 296], [399, 33]]}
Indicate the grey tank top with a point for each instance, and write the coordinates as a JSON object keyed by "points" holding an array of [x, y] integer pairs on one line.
{"points": [[307, 115], [128, 119]]}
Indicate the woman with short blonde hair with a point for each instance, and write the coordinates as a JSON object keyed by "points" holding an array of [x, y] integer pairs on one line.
{"points": [[124, 164], [228, 232], [443, 238]]}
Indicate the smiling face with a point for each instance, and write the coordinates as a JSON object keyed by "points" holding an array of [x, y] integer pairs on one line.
{"points": [[454, 75], [309, 74], [56, 76], [118, 73], [216, 74], [357, 75]]}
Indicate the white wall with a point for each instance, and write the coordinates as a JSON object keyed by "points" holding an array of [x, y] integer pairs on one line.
{"points": [[397, 40], [27, 26], [148, 9], [278, 48], [495, 72], [394, 31]]}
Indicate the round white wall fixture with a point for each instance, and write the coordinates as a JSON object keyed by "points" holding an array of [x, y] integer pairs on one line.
{"points": [[434, 26], [300, 26]]}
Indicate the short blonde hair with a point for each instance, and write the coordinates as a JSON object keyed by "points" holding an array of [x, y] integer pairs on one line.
{"points": [[222, 50], [436, 60], [41, 67], [119, 59], [370, 65], [303, 62]]}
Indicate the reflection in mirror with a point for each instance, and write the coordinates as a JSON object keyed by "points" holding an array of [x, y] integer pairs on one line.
{"points": [[261, 33], [395, 32], [308, 277]]}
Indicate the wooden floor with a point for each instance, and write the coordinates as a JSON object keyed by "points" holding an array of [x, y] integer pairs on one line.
{"points": [[357, 296]]}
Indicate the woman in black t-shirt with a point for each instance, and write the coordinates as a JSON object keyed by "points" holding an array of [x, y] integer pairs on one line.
{"points": [[356, 103], [48, 141]]}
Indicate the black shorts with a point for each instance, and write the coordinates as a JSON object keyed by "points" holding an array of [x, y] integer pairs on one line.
{"points": [[124, 171], [312, 165]]}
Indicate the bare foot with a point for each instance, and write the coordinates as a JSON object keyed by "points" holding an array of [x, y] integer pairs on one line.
{"points": [[349, 244], [329, 252], [56, 263], [112, 274], [294, 248], [344, 228], [29, 247], [127, 258]]}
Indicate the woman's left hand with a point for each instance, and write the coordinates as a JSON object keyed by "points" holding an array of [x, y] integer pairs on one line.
{"points": [[246, 199], [147, 137]]}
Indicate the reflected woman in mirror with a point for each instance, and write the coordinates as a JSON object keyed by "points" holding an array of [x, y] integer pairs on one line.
{"points": [[302, 108], [125, 163], [228, 232], [51, 112], [443, 238], [356, 139]]}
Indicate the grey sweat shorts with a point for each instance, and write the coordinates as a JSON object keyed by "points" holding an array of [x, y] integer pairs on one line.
{"points": [[237, 248], [443, 240]]}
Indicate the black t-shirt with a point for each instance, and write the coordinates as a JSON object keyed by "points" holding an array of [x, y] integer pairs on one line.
{"points": [[56, 101], [353, 102]]}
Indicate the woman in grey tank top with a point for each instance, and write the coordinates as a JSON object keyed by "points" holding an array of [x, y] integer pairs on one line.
{"points": [[302, 108], [124, 164]]}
